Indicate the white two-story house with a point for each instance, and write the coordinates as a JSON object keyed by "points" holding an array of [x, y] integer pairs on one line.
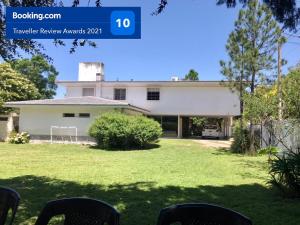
{"points": [[171, 103]]}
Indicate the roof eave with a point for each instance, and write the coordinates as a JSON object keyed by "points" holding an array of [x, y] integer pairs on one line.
{"points": [[16, 105]]}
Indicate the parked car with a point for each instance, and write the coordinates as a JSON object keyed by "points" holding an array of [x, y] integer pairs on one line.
{"points": [[211, 131]]}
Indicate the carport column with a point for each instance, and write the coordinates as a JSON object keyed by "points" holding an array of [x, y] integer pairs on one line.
{"points": [[179, 131], [226, 130], [230, 123]]}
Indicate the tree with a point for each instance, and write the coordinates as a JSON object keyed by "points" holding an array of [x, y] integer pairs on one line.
{"points": [[261, 106], [291, 94], [40, 73], [285, 11], [192, 75], [234, 69], [251, 47], [14, 87]]}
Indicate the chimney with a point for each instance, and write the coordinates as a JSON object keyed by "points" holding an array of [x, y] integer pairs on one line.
{"points": [[99, 77], [91, 71], [174, 78]]}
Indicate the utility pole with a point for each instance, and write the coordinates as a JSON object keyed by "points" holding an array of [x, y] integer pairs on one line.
{"points": [[279, 80]]}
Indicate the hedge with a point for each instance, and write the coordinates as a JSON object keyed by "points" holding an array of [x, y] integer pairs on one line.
{"points": [[117, 130]]}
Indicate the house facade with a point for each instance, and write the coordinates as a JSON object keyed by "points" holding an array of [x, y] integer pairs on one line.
{"points": [[171, 103]]}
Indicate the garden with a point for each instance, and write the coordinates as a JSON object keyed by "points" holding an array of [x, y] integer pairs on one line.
{"points": [[133, 169], [141, 182]]}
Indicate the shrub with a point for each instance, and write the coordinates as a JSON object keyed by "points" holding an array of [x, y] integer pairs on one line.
{"points": [[285, 173], [241, 142], [116, 130], [19, 138], [198, 125], [144, 131]]}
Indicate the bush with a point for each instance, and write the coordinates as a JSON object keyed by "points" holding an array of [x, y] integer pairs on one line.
{"points": [[241, 142], [285, 173], [116, 130], [198, 125], [144, 131], [19, 138]]}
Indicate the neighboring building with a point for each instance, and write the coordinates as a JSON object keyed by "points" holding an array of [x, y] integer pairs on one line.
{"points": [[169, 102]]}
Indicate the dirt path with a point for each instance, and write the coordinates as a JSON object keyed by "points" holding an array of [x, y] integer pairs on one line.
{"points": [[214, 143]]}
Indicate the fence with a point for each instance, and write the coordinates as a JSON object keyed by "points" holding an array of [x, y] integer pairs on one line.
{"points": [[282, 134]]}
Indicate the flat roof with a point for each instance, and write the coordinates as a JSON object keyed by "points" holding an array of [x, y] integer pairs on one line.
{"points": [[147, 83], [74, 101]]}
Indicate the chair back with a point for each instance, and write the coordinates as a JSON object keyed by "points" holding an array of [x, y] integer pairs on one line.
{"points": [[9, 202], [79, 211], [201, 214]]}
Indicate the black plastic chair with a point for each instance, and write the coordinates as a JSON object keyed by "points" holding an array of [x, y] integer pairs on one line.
{"points": [[201, 214], [79, 211], [9, 202]]}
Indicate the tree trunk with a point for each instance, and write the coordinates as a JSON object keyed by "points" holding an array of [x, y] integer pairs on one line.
{"points": [[252, 150], [241, 103], [242, 92], [279, 83]]}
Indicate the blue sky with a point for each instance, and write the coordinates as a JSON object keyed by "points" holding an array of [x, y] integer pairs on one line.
{"points": [[185, 36]]}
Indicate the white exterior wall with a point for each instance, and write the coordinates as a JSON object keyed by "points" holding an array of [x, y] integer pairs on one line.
{"points": [[174, 100], [77, 91], [38, 120]]}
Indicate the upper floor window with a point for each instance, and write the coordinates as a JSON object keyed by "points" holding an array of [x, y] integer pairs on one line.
{"points": [[120, 94], [153, 94], [88, 91]]}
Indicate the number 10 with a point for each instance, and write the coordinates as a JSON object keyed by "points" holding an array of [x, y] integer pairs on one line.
{"points": [[125, 22]]}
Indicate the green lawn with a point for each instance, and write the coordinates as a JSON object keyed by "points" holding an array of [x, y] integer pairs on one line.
{"points": [[140, 183]]}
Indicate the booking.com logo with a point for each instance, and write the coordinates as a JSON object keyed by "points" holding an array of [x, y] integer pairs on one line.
{"points": [[36, 16]]}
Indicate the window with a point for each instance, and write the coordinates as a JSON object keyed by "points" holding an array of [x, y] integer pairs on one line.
{"points": [[88, 91], [120, 94], [84, 115], [153, 94], [3, 119], [69, 115]]}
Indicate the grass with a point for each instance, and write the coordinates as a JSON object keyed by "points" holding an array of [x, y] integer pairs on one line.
{"points": [[140, 183]]}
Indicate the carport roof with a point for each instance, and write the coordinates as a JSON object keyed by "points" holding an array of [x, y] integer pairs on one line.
{"points": [[74, 101]]}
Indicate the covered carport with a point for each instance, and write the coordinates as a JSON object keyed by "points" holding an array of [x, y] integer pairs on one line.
{"points": [[180, 126], [185, 126]]}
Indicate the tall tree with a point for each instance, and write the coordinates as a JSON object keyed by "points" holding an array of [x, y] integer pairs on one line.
{"points": [[40, 73], [263, 105], [291, 94], [192, 75], [256, 34], [234, 70], [14, 87]]}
